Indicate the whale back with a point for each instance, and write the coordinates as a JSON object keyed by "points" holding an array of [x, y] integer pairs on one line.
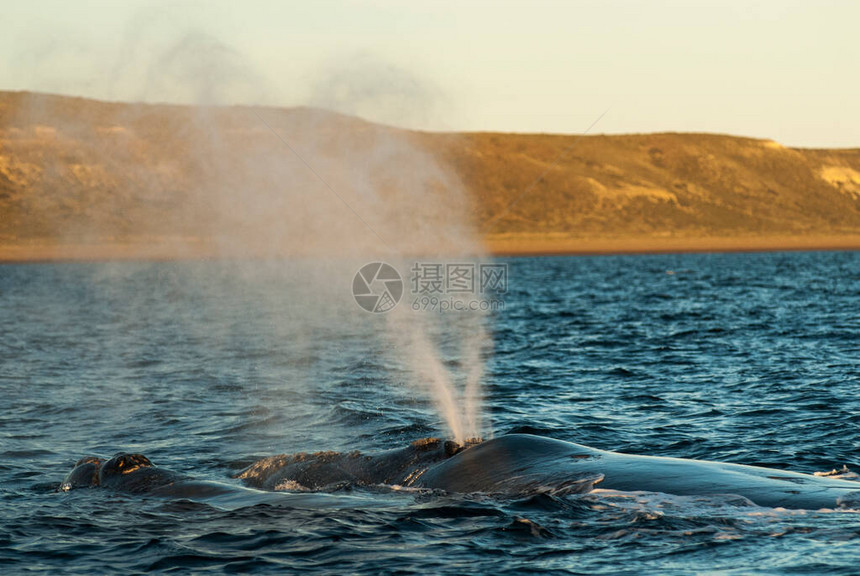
{"points": [[515, 464], [762, 486], [330, 470], [521, 463]]}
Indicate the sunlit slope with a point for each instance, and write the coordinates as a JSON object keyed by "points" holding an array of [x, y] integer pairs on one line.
{"points": [[654, 184]]}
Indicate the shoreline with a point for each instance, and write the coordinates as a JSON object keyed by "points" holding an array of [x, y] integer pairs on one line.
{"points": [[496, 245], [551, 245]]}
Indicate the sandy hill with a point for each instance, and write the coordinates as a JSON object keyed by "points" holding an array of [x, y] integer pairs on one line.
{"points": [[79, 176]]}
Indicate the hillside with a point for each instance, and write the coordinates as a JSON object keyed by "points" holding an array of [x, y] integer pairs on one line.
{"points": [[82, 178]]}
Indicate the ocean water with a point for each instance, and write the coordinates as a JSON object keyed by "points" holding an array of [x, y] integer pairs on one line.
{"points": [[746, 358]]}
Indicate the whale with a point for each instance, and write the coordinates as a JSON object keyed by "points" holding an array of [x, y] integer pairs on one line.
{"points": [[517, 464], [507, 466]]}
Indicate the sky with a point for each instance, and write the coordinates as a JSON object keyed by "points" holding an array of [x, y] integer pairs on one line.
{"points": [[783, 70]]}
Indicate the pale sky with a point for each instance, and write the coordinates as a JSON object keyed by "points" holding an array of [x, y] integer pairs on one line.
{"points": [[789, 71]]}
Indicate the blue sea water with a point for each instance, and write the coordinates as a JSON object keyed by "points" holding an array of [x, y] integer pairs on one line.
{"points": [[747, 358]]}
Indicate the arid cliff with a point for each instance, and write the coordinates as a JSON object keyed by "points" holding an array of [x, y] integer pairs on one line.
{"points": [[82, 178]]}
